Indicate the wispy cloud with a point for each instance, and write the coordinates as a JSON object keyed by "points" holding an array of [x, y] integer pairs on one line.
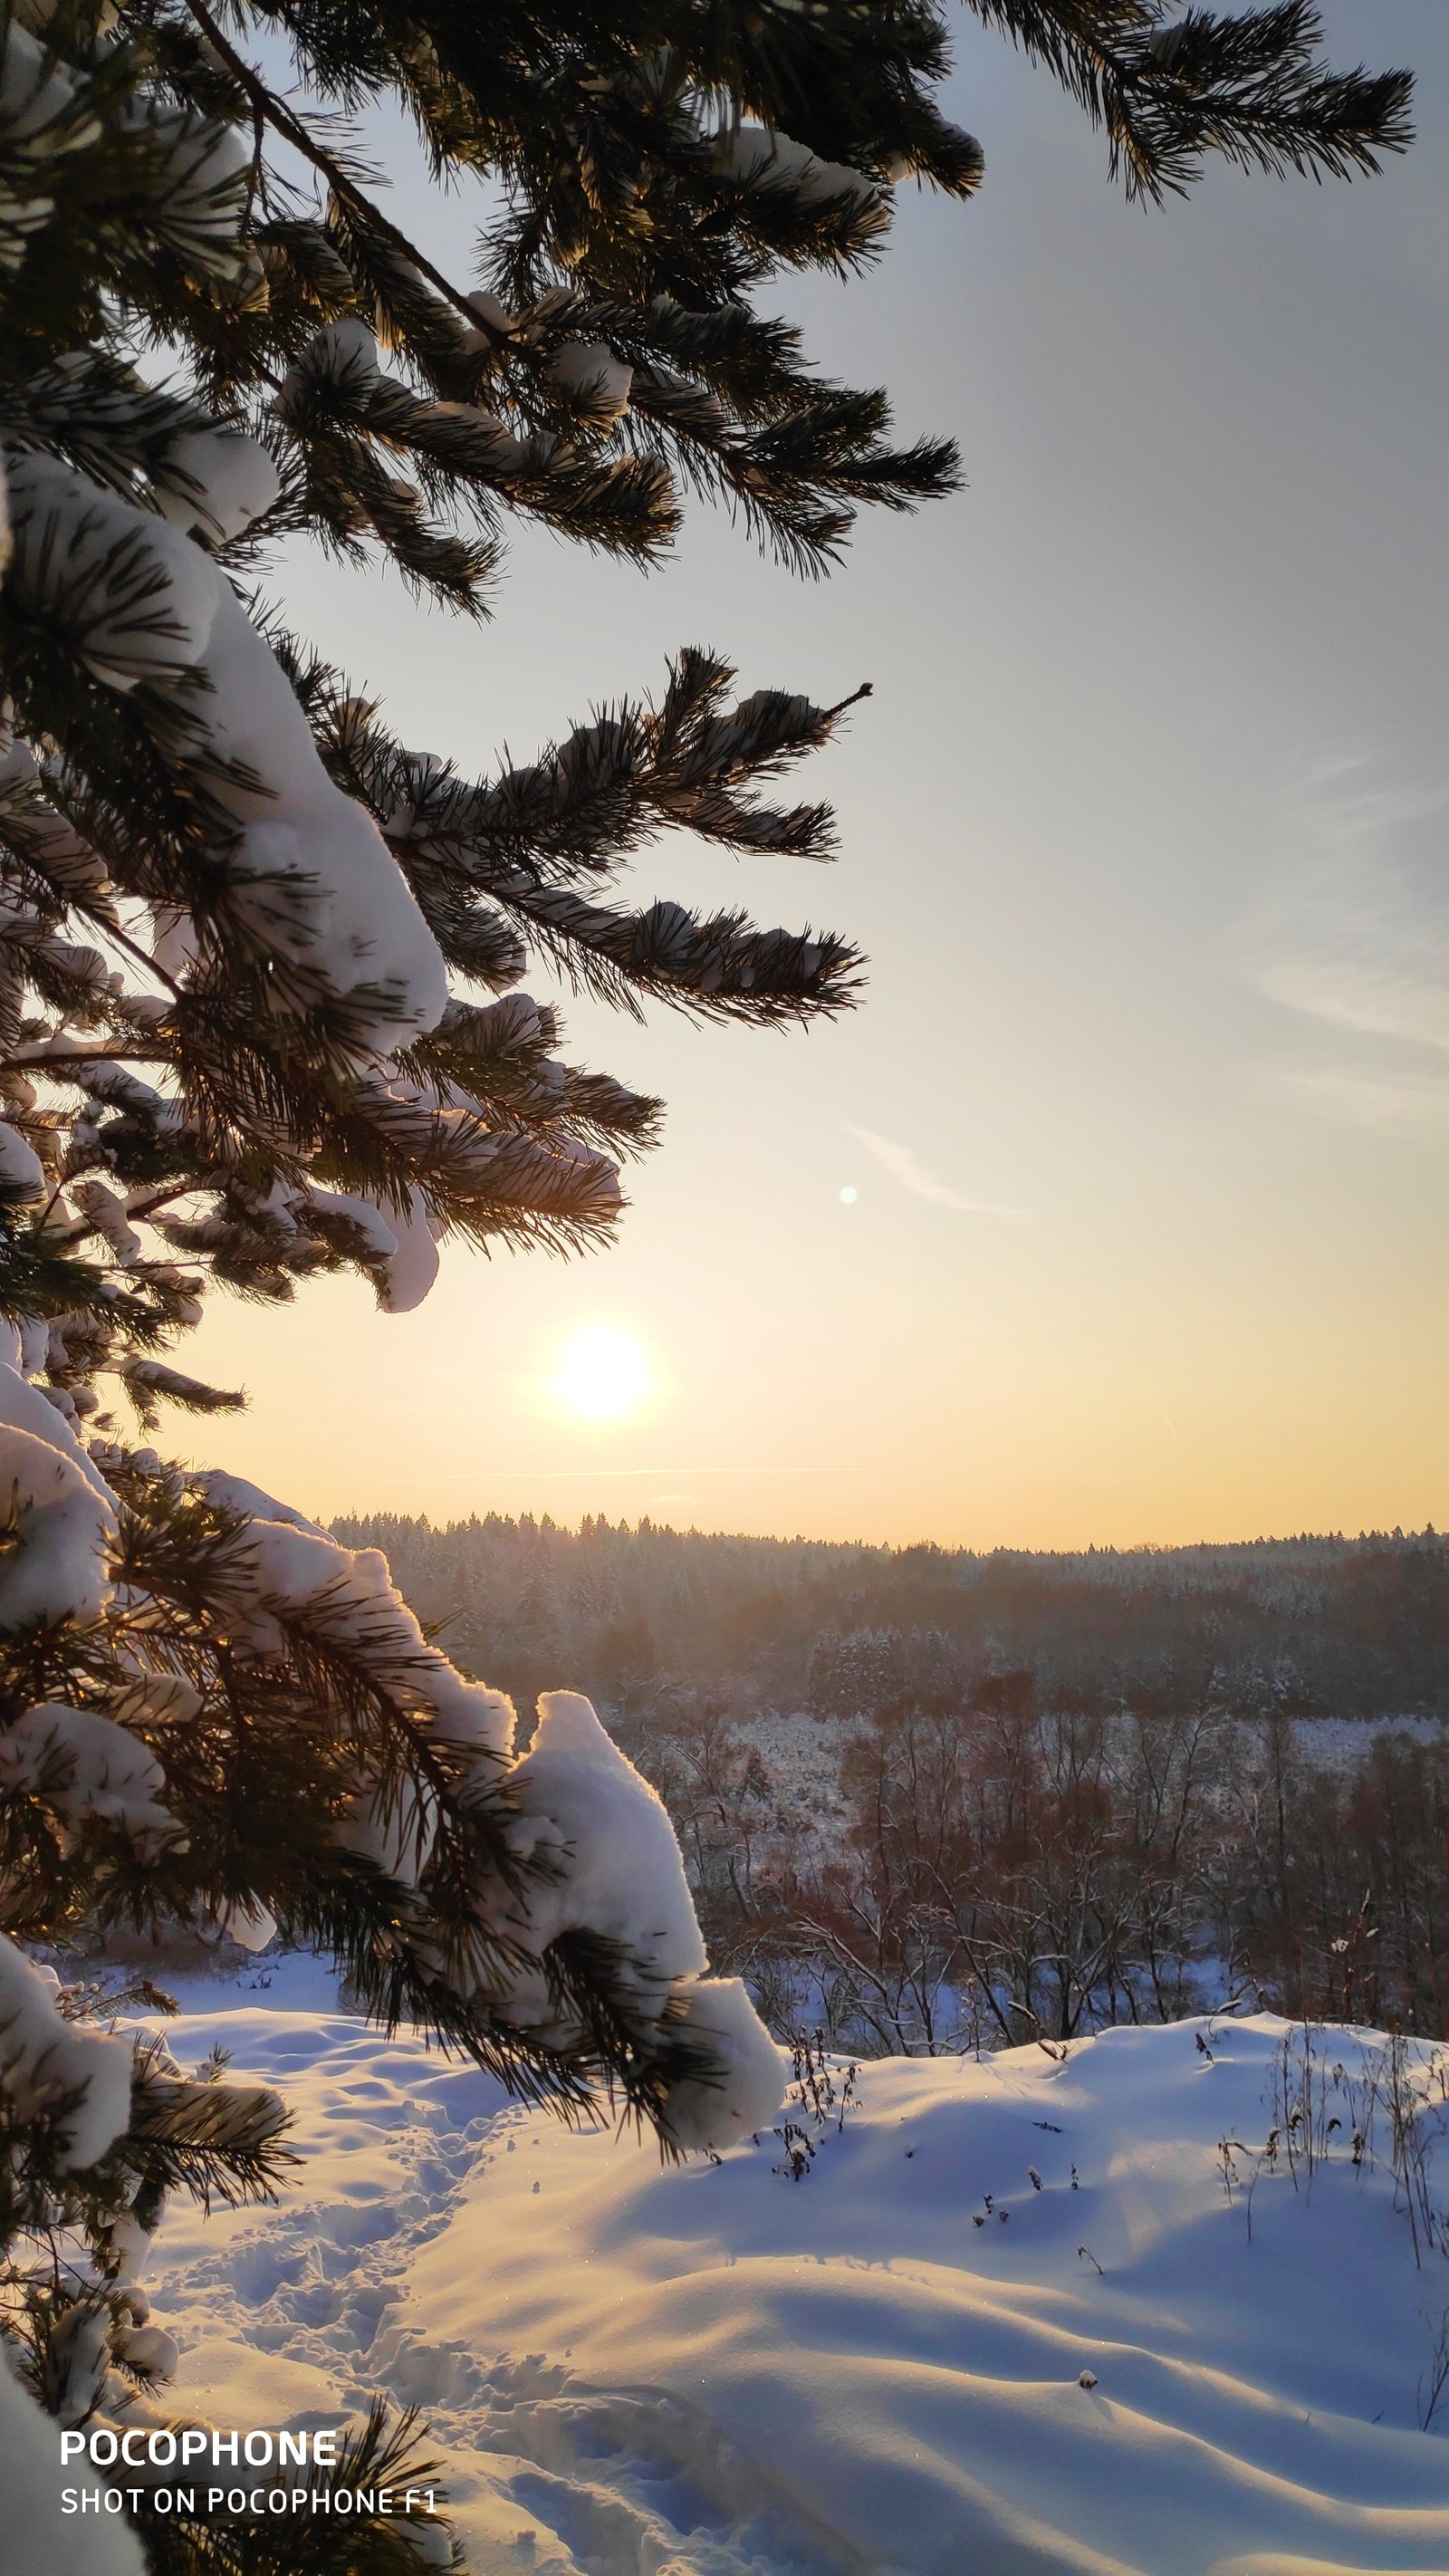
{"points": [[1394, 1100], [1352, 933], [905, 1168]]}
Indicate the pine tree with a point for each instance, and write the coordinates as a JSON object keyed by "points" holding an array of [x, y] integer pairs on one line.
{"points": [[260, 1013]]}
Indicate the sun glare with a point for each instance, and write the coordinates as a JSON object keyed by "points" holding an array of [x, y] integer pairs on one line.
{"points": [[602, 1373]]}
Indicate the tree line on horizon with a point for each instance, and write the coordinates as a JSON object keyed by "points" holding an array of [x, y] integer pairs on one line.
{"points": [[1308, 1626]]}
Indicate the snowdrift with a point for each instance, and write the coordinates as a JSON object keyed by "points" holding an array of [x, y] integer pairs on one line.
{"points": [[1022, 2318]]}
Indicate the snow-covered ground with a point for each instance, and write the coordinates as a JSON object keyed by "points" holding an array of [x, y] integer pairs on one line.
{"points": [[716, 2371]]}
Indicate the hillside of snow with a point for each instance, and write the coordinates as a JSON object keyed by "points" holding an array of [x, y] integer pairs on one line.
{"points": [[1019, 2318]]}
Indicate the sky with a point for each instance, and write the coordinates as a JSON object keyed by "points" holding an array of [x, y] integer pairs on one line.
{"points": [[1144, 1119]]}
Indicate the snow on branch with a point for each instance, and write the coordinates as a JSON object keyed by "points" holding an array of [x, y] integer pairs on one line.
{"points": [[78, 2080]]}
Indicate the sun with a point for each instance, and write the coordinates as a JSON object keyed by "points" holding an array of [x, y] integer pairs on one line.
{"points": [[602, 1373]]}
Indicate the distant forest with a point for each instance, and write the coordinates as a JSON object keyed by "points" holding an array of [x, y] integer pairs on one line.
{"points": [[1308, 1627], [931, 1801]]}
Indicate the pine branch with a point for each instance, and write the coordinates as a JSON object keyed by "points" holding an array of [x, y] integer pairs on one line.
{"points": [[216, 2142], [273, 112], [383, 2453], [1170, 89]]}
